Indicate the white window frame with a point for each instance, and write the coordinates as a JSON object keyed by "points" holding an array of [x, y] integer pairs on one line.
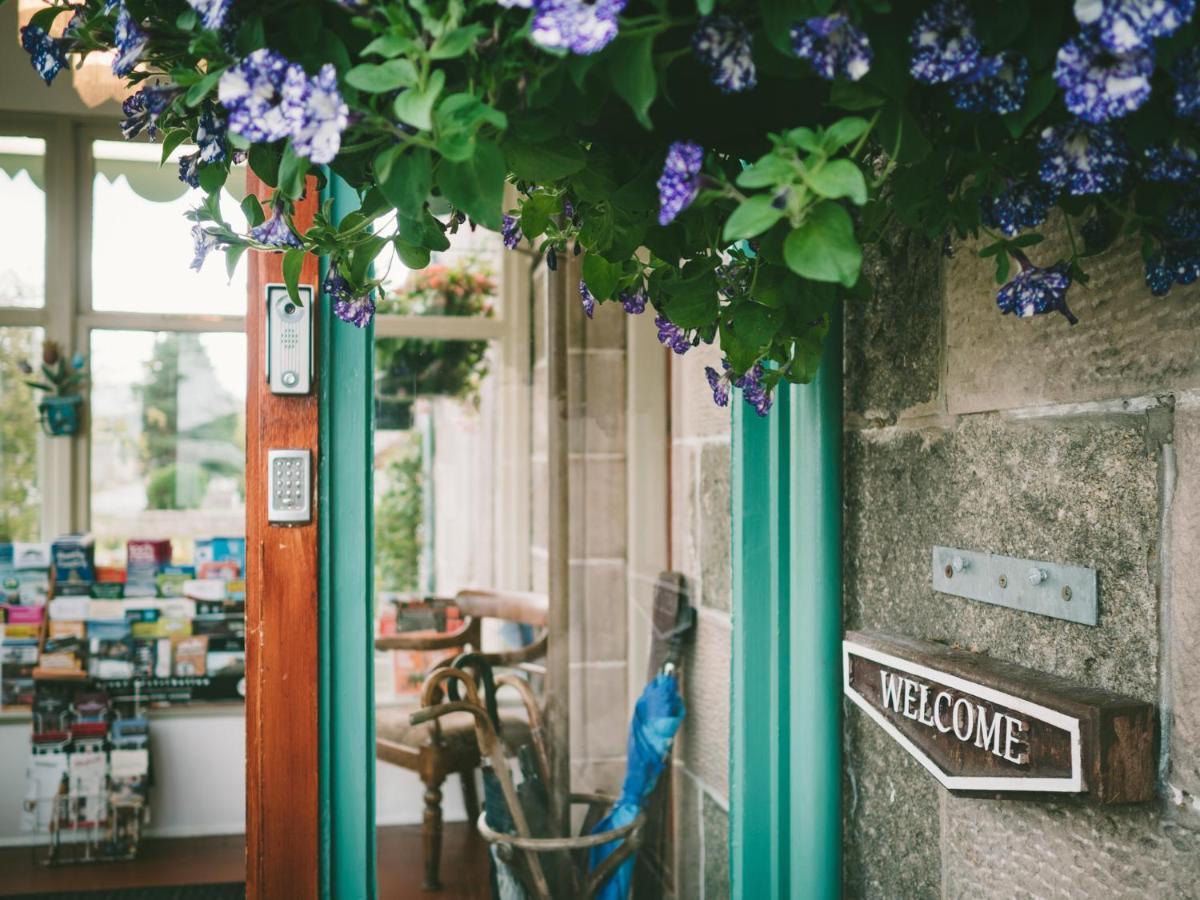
{"points": [[68, 317]]}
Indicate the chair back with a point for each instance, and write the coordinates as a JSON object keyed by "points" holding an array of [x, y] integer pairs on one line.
{"points": [[513, 606]]}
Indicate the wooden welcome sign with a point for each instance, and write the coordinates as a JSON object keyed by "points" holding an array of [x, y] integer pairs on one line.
{"points": [[986, 727]]}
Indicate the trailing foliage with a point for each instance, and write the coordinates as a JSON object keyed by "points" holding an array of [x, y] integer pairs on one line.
{"points": [[725, 162]]}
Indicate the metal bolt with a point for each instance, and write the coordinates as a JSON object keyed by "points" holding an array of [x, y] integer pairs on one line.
{"points": [[949, 570], [1036, 576], [1003, 581], [959, 564], [1066, 592]]}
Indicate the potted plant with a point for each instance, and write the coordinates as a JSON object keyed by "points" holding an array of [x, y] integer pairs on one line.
{"points": [[61, 380]]}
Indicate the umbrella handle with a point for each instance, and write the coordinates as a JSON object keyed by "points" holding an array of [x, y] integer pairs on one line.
{"points": [[534, 714]]}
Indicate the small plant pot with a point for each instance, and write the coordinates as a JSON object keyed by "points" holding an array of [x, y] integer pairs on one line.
{"points": [[60, 416]]}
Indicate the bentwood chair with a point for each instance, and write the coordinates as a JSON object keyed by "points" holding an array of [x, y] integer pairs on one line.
{"points": [[445, 746]]}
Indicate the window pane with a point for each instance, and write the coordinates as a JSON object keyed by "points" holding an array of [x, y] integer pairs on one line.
{"points": [[23, 224], [20, 500], [450, 285], [142, 244], [168, 439]]}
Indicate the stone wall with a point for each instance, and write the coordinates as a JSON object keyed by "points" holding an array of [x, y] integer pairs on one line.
{"points": [[1033, 439]]}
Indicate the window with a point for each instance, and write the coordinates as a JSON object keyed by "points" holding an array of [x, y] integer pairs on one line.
{"points": [[23, 224], [20, 500]]}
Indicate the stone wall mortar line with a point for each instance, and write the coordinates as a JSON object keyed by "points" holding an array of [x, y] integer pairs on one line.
{"points": [[1167, 475]]}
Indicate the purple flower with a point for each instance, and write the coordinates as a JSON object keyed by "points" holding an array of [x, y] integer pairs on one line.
{"points": [[516, 4], [1082, 159], [1124, 25], [671, 335], [997, 85], [46, 54], [510, 231], [1099, 85], [142, 110], [719, 385], [1019, 206], [358, 311], [1186, 72], [1034, 291], [212, 12], [633, 302], [316, 113], [585, 297], [833, 47], [575, 25], [128, 41], [203, 243], [943, 42], [189, 169], [722, 43], [680, 181], [1183, 221], [753, 390], [252, 92], [275, 231], [1174, 264], [1171, 162], [210, 136]]}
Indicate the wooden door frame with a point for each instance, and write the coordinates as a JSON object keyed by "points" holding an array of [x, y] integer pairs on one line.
{"points": [[310, 777]]}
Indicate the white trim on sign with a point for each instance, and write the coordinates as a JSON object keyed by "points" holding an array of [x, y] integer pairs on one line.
{"points": [[1072, 784]]}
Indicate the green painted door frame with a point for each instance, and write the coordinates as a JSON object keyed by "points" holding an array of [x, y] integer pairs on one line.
{"points": [[347, 558], [785, 776]]}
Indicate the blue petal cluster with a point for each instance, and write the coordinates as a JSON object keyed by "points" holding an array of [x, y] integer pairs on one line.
{"points": [[997, 85], [719, 385], [1186, 72], [210, 136], [575, 25], [203, 243], [680, 180], [671, 335], [358, 311], [189, 169], [1082, 159], [47, 55], [753, 390], [1173, 163], [1099, 85], [510, 231], [275, 232], [1183, 221], [634, 302], [1124, 25], [833, 47], [722, 43], [586, 298], [1034, 291], [141, 110], [128, 41], [1177, 263], [316, 113], [212, 12], [943, 43], [1019, 206]]}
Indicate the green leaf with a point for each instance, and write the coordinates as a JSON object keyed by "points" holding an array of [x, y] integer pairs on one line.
{"points": [[769, 171], [292, 170], [600, 275], [455, 43], [804, 138], [212, 177], [704, 7], [543, 162], [754, 216], [411, 255], [476, 185], [415, 106], [198, 91], [1002, 266], [824, 248], [1041, 91], [466, 110], [405, 178], [171, 140], [853, 96], [389, 46], [378, 79], [844, 132], [778, 17], [838, 178], [264, 162], [424, 231], [252, 209], [233, 255], [901, 136], [631, 69], [293, 261], [536, 212]]}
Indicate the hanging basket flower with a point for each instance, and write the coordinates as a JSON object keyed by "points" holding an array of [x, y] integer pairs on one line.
{"points": [[61, 408]]}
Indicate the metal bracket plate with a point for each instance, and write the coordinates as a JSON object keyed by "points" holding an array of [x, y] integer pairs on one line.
{"points": [[1047, 589]]}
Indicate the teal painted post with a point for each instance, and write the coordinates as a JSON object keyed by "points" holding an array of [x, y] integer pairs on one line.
{"points": [[347, 558], [815, 666], [760, 769]]}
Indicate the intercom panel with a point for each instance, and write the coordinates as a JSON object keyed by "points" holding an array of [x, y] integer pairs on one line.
{"points": [[289, 340]]}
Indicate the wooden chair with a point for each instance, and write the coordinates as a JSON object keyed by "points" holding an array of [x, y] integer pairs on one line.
{"points": [[447, 745]]}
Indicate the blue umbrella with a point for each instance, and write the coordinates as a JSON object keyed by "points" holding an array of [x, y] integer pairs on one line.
{"points": [[656, 718]]}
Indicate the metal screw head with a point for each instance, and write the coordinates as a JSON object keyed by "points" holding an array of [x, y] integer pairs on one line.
{"points": [[1036, 576], [949, 570], [959, 564], [1003, 581], [1066, 592]]}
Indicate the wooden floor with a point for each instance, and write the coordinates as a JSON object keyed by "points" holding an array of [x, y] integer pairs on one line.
{"points": [[217, 860]]}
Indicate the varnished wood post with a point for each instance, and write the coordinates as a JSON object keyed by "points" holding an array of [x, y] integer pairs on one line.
{"points": [[558, 546], [282, 787]]}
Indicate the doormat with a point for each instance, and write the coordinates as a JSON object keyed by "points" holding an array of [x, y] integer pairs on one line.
{"points": [[189, 892]]}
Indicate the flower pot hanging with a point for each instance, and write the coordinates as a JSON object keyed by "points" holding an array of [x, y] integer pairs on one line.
{"points": [[60, 416]]}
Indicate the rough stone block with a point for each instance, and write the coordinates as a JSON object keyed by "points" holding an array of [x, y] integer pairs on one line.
{"points": [[1127, 342], [1035, 849], [703, 742], [712, 529], [595, 402], [1182, 614], [716, 849], [893, 340], [693, 413], [597, 499], [599, 724]]}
